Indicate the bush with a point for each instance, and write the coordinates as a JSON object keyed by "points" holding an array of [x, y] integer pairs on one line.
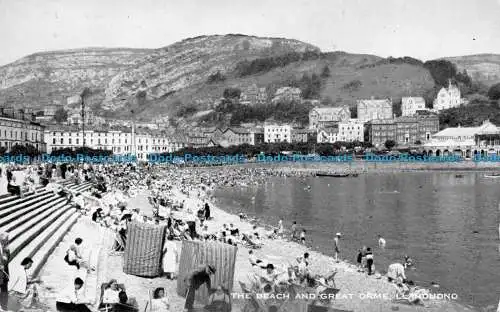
{"points": [[469, 116], [494, 92], [389, 144], [476, 99], [325, 73], [215, 78], [352, 86], [187, 110], [232, 93], [265, 64], [24, 150]]}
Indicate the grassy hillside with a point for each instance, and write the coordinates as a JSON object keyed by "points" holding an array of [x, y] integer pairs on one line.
{"points": [[484, 68]]}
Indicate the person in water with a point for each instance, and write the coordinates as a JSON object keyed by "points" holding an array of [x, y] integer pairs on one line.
{"points": [[381, 242]]}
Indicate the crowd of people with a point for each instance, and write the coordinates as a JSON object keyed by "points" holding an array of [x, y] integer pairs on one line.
{"points": [[106, 204]]}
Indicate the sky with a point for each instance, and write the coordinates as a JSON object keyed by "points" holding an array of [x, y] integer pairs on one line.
{"points": [[425, 29]]}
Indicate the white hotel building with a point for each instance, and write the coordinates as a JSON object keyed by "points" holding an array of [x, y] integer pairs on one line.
{"points": [[277, 134], [119, 142]]}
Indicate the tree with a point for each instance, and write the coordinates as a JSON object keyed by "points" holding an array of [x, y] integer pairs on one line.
{"points": [[325, 73], [86, 93], [475, 99], [231, 93], [217, 77], [61, 115], [24, 150], [441, 71], [494, 92], [389, 144], [352, 86]]}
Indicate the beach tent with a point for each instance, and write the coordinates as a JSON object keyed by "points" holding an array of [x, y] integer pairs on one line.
{"points": [[195, 254], [143, 249]]}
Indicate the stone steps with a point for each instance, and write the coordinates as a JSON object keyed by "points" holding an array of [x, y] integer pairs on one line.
{"points": [[36, 223], [58, 275]]}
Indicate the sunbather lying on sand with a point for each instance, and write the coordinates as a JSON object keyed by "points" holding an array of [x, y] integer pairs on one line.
{"points": [[407, 295]]}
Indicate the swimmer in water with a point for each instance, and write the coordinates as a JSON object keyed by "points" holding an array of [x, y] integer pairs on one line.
{"points": [[381, 242], [408, 262]]}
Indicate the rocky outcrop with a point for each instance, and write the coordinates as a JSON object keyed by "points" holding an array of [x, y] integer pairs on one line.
{"points": [[45, 78]]}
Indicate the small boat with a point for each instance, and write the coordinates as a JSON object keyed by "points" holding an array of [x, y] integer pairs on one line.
{"points": [[493, 175], [333, 175], [459, 175]]}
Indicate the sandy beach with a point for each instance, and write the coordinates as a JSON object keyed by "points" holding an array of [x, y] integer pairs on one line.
{"points": [[359, 292]]}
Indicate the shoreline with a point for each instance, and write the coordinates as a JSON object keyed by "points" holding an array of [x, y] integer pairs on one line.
{"points": [[355, 287], [361, 166]]}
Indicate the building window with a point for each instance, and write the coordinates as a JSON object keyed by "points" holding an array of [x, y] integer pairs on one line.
{"points": [[54, 141], [62, 141]]}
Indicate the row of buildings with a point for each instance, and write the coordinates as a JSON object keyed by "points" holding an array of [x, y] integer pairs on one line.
{"points": [[446, 98], [20, 128]]}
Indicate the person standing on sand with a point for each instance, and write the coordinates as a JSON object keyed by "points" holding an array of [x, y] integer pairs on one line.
{"points": [[196, 279], [170, 257], [359, 259], [294, 230], [280, 228], [4, 270], [303, 237], [336, 242], [381, 242], [369, 260], [207, 211]]}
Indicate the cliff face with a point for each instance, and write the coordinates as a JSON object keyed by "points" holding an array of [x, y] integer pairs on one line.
{"points": [[116, 74]]}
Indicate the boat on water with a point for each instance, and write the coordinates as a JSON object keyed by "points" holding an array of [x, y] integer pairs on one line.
{"points": [[459, 176], [335, 175], [493, 175]]}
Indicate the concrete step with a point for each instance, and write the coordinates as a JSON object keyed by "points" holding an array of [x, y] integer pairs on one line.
{"points": [[56, 234], [7, 199], [44, 238], [56, 274], [33, 231], [6, 212], [33, 220], [10, 214], [17, 200]]}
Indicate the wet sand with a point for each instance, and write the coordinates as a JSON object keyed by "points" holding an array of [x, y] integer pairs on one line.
{"points": [[356, 288]]}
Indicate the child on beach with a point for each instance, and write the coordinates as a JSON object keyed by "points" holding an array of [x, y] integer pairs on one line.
{"points": [[359, 259], [336, 245], [303, 237]]}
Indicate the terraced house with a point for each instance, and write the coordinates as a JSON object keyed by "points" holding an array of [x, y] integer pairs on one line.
{"points": [[405, 131], [323, 117], [374, 109], [18, 127], [351, 130], [239, 136], [119, 142]]}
